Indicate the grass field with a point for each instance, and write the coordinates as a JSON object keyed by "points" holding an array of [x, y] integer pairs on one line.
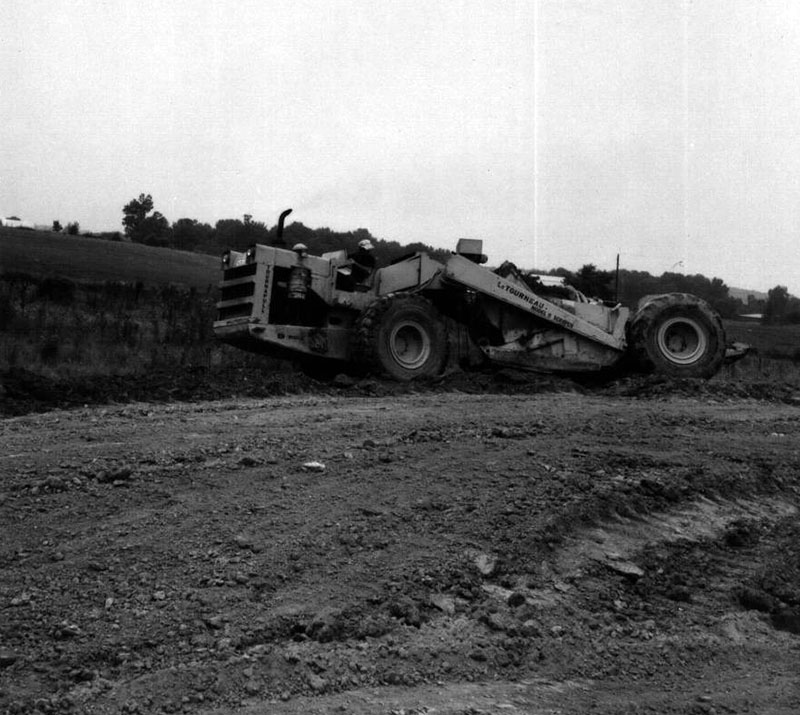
{"points": [[43, 254], [780, 342]]}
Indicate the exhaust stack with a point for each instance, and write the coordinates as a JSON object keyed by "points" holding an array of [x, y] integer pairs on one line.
{"points": [[279, 234]]}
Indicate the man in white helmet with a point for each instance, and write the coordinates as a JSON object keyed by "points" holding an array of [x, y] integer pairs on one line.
{"points": [[362, 262]]}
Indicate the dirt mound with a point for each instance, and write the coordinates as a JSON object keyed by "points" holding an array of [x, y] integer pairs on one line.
{"points": [[650, 387], [23, 391]]}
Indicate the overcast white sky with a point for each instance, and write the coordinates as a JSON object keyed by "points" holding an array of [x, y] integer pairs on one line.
{"points": [[560, 132]]}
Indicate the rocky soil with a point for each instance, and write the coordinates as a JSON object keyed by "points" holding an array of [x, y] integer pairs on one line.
{"points": [[632, 548]]}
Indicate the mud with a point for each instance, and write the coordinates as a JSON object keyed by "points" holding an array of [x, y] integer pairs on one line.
{"points": [[370, 549]]}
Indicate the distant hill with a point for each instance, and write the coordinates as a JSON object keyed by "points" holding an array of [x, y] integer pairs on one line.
{"points": [[43, 253], [743, 293]]}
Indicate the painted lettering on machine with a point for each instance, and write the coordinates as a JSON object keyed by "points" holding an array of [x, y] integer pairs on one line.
{"points": [[537, 306], [267, 291]]}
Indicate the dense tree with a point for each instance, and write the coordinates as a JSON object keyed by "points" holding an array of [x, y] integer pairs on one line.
{"points": [[792, 314], [74, 228], [155, 230], [142, 226], [188, 234], [135, 212], [592, 282], [634, 285], [57, 227], [777, 303], [239, 234]]}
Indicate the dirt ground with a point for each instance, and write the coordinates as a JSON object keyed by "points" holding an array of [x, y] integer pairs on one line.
{"points": [[565, 551]]}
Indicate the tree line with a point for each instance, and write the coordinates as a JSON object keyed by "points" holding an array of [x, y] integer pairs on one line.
{"points": [[628, 287], [779, 307], [143, 224]]}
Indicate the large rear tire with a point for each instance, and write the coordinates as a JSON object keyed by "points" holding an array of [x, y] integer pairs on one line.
{"points": [[403, 336], [677, 334]]}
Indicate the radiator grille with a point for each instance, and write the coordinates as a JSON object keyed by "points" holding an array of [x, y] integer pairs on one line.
{"points": [[249, 269], [237, 290], [241, 310], [236, 293]]}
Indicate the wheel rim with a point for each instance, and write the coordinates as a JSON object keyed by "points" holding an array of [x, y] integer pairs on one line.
{"points": [[682, 341], [409, 345]]}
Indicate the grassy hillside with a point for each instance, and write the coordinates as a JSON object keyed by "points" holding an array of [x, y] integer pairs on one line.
{"points": [[43, 254], [77, 312], [56, 327]]}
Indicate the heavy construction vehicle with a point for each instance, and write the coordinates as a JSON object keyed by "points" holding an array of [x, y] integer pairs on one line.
{"points": [[415, 317]]}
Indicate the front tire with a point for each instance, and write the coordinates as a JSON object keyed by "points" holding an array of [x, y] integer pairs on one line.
{"points": [[677, 334], [403, 336]]}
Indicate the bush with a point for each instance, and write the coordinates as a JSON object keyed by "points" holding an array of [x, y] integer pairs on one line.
{"points": [[48, 352], [7, 312], [57, 290]]}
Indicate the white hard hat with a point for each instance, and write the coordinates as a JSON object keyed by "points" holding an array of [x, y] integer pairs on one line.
{"points": [[298, 247], [366, 244]]}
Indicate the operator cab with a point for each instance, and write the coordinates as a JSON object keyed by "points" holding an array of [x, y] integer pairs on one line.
{"points": [[345, 280]]}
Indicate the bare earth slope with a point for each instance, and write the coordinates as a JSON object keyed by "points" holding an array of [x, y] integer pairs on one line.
{"points": [[455, 554]]}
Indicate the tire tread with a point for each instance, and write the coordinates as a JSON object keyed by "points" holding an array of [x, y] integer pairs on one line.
{"points": [[365, 352], [648, 312]]}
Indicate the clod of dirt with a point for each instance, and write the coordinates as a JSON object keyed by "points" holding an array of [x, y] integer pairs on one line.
{"points": [[485, 563], [246, 542], [121, 474], [7, 658], [406, 610], [626, 568], [741, 533], [787, 619], [343, 380], [516, 599], [248, 461], [756, 600], [446, 604], [327, 625]]}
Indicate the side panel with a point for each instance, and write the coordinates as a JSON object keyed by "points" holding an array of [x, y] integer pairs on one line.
{"points": [[462, 271], [611, 320], [287, 340], [577, 355], [411, 273]]}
